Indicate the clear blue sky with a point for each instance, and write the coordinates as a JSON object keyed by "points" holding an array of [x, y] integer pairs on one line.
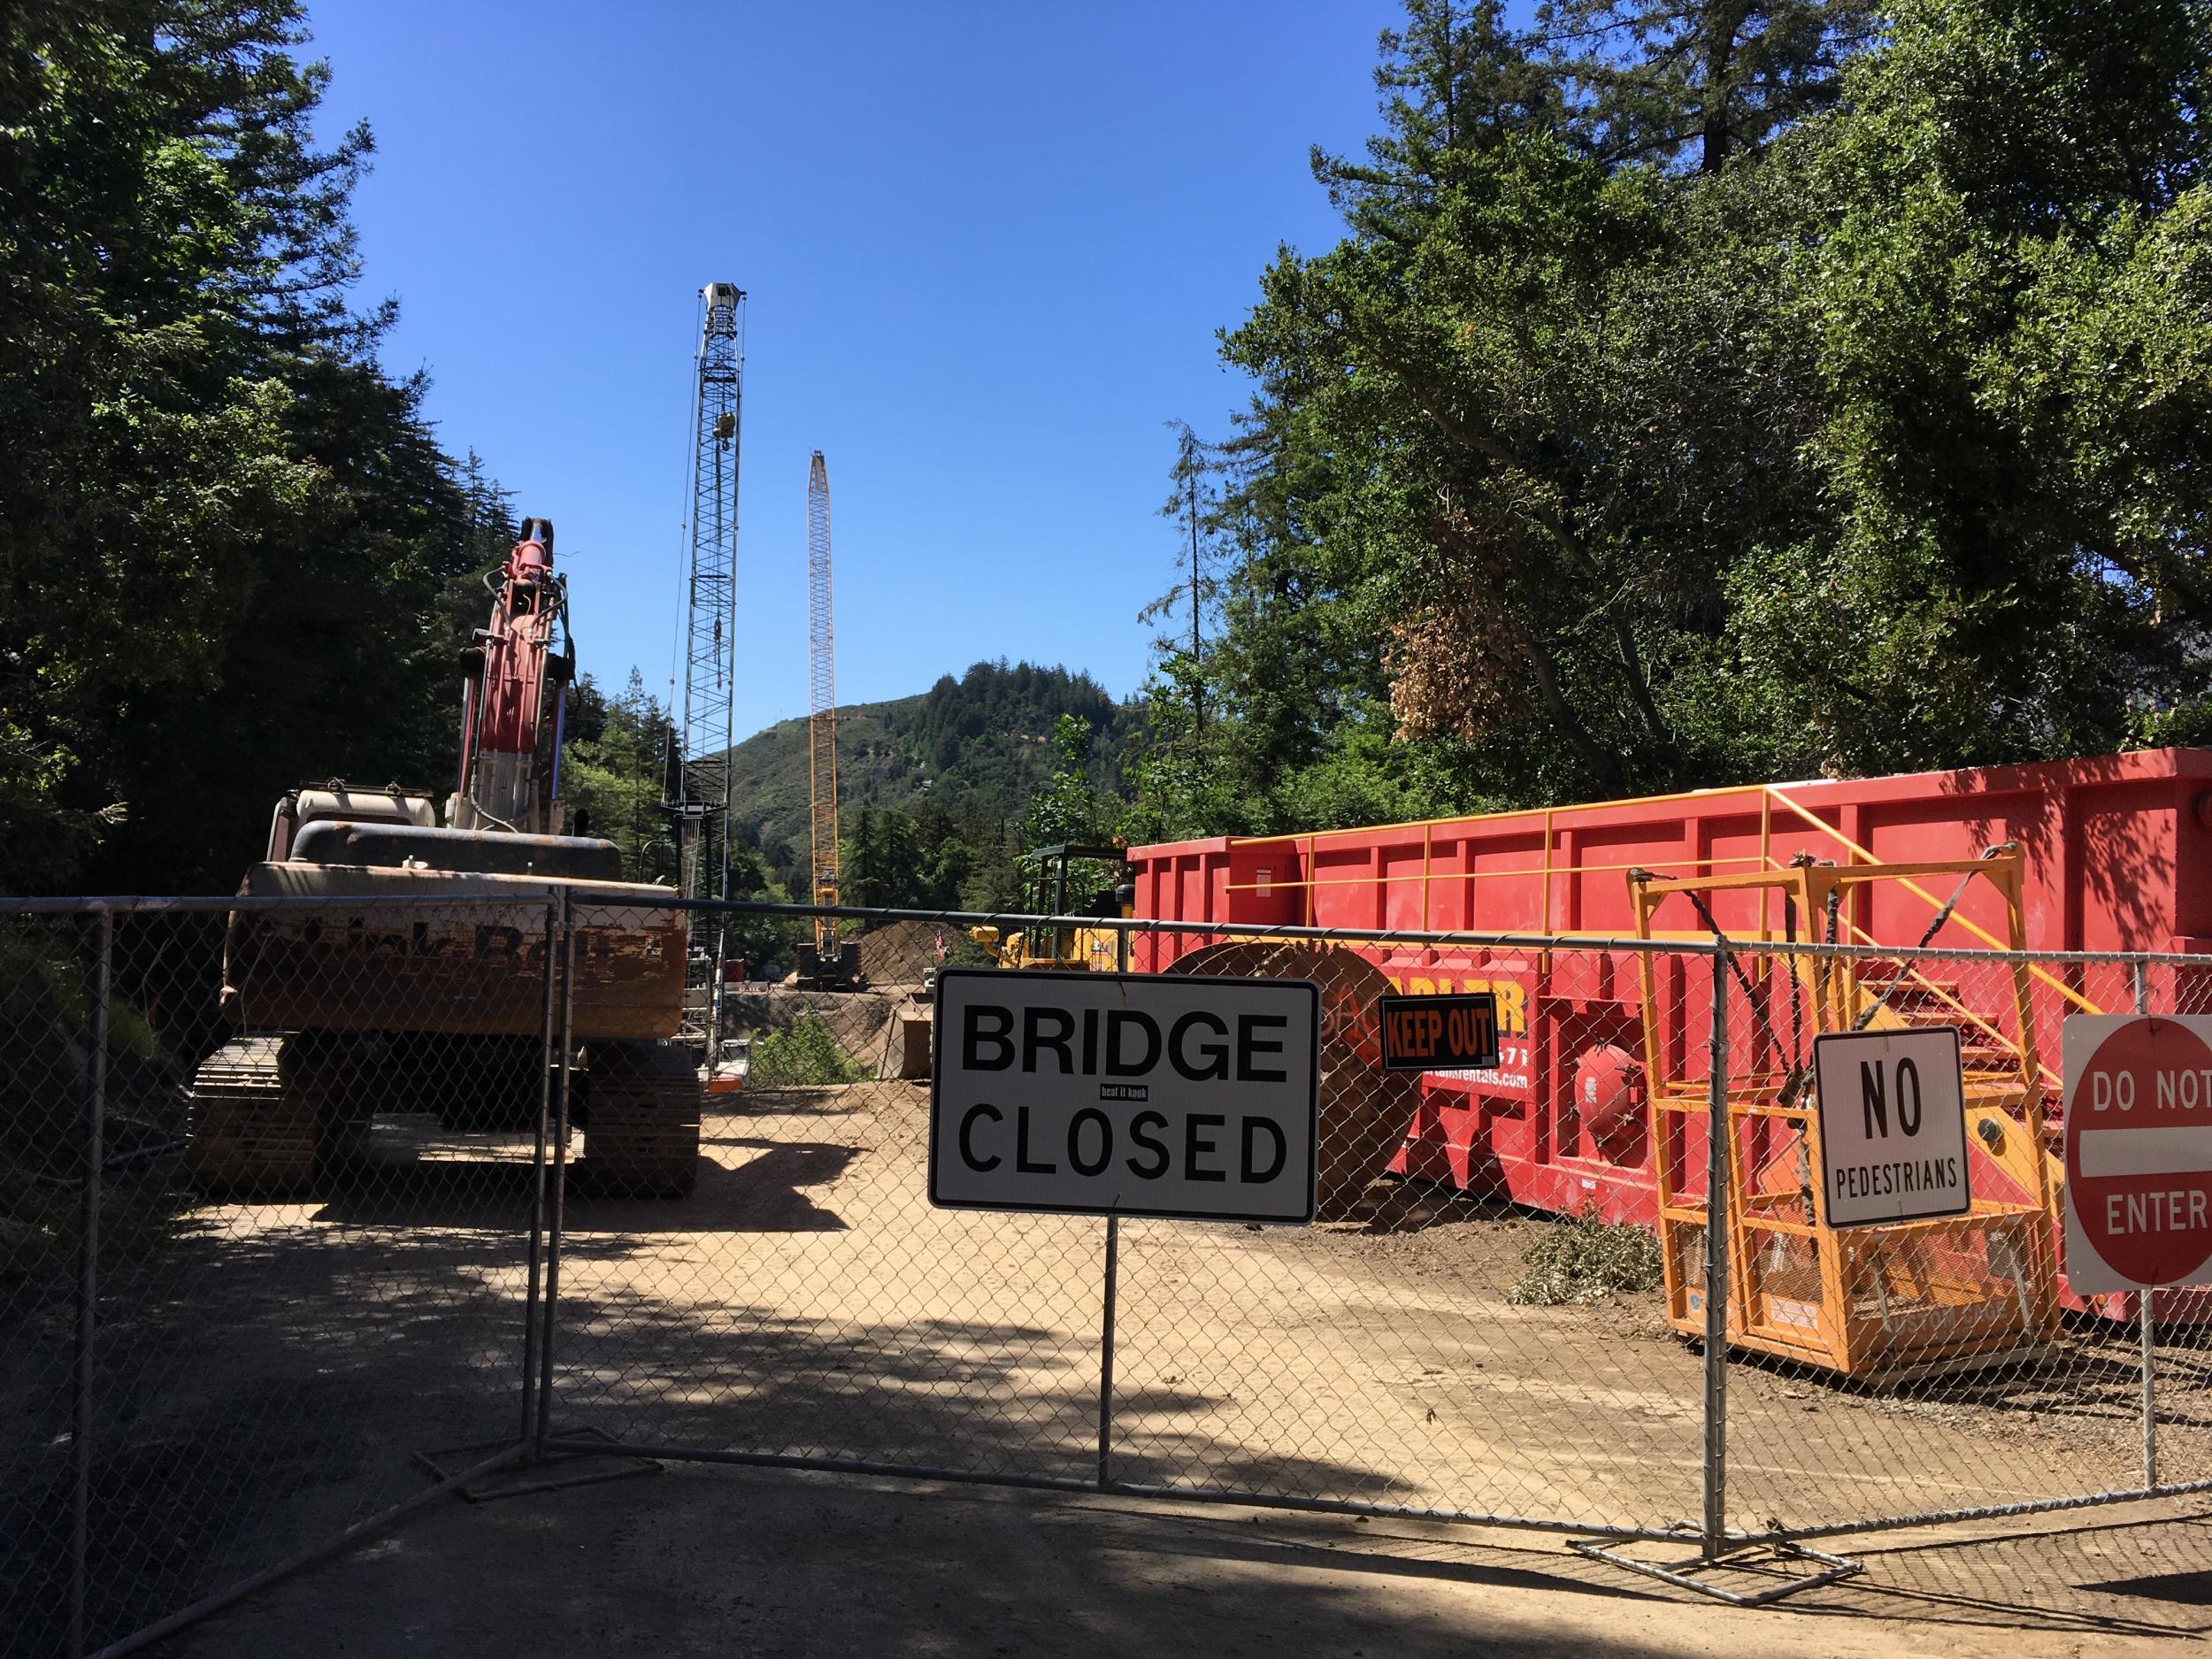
{"points": [[986, 248]]}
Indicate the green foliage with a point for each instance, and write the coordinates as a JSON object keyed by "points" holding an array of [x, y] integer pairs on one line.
{"points": [[230, 548], [1581, 1259], [975, 747], [801, 1052], [1690, 81], [1069, 808], [917, 859], [1707, 392], [612, 773]]}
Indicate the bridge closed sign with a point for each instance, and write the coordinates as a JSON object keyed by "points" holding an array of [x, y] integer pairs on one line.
{"points": [[1893, 1125], [2139, 1151], [1131, 1094]]}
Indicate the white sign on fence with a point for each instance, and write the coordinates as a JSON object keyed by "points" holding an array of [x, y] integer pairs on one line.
{"points": [[1133, 1094], [1893, 1125]]}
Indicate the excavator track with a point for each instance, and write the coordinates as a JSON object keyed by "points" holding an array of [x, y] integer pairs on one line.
{"points": [[641, 1127], [251, 1128]]}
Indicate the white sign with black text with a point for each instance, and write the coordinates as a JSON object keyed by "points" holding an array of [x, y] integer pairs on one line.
{"points": [[1893, 1125], [1131, 1095]]}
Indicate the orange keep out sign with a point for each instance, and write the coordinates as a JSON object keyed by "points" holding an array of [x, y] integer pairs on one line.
{"points": [[1439, 1033], [2139, 1151]]}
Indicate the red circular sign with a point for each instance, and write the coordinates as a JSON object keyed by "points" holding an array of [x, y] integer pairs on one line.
{"points": [[2139, 1151]]}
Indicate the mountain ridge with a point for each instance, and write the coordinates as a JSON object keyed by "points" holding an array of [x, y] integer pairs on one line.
{"points": [[979, 746]]}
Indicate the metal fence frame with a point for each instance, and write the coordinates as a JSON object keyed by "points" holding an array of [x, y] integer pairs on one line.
{"points": [[1715, 1541]]}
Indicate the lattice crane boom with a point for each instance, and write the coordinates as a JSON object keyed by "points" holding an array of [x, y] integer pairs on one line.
{"points": [[700, 808], [822, 719]]}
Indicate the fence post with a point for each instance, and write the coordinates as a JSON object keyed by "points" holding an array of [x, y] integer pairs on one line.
{"points": [[1111, 1294], [537, 1179], [2141, 973], [89, 1286], [1106, 1355], [1716, 1291], [565, 926]]}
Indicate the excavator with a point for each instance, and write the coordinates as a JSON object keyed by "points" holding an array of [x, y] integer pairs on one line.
{"points": [[381, 999]]}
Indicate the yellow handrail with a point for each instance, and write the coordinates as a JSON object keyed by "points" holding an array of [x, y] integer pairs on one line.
{"points": [[1273, 882], [1914, 887]]}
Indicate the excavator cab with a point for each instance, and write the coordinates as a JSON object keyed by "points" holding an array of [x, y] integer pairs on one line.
{"points": [[380, 998]]}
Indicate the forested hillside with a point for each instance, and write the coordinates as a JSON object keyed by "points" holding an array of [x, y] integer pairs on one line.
{"points": [[968, 756], [1707, 392], [233, 554]]}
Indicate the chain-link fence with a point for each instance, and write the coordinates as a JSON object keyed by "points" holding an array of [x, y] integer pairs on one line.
{"points": [[265, 1233], [311, 1209]]}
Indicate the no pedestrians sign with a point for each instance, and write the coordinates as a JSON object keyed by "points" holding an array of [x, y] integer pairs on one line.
{"points": [[1893, 1125], [2139, 1151]]}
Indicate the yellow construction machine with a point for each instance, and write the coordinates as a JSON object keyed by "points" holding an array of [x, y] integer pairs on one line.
{"points": [[1053, 883]]}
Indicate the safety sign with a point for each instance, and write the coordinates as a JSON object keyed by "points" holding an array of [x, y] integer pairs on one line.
{"points": [[1893, 1125], [2139, 1150], [1133, 1094]]}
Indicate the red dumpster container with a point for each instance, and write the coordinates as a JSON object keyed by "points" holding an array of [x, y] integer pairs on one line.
{"points": [[2117, 852]]}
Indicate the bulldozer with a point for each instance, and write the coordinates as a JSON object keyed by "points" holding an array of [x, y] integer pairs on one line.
{"points": [[381, 999], [1045, 874]]}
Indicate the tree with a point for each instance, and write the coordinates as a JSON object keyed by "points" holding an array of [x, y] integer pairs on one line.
{"points": [[613, 774], [1698, 81], [1705, 392], [230, 548], [1071, 808], [1196, 590], [2014, 306]]}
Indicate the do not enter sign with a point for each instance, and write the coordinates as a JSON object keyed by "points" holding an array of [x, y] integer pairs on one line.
{"points": [[2139, 1151]]}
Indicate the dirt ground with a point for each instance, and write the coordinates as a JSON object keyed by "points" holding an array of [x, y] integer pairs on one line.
{"points": [[269, 1378], [771, 1564]]}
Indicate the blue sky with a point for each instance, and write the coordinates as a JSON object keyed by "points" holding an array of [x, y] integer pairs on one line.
{"points": [[986, 248]]}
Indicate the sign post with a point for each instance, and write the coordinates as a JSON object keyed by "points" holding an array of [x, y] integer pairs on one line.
{"points": [[1893, 1125], [1125, 1094]]}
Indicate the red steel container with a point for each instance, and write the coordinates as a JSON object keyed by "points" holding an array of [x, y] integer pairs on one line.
{"points": [[2119, 857]]}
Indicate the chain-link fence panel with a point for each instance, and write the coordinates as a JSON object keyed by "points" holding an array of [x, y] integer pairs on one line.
{"points": [[1941, 1365], [1441, 1339], [316, 1179], [1435, 1341], [804, 1299], [49, 979], [327, 1135]]}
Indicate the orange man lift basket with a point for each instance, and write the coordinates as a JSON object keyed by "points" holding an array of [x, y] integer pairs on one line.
{"points": [[1881, 1303]]}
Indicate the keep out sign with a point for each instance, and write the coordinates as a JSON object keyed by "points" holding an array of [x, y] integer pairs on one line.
{"points": [[1134, 1094], [2139, 1151]]}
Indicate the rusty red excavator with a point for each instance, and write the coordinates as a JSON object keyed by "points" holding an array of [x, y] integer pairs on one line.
{"points": [[382, 999]]}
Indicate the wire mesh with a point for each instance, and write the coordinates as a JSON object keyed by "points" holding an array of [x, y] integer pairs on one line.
{"points": [[319, 1162], [312, 1238], [1430, 1343], [1947, 1364]]}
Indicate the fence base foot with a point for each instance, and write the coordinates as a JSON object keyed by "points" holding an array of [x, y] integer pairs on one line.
{"points": [[1758, 1557], [570, 1465]]}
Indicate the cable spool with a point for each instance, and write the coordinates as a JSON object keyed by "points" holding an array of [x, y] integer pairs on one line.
{"points": [[1365, 1110]]}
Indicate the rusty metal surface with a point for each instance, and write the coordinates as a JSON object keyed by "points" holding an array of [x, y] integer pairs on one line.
{"points": [[1364, 1110], [477, 969]]}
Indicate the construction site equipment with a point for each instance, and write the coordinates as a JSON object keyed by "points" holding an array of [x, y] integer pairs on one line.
{"points": [[824, 964], [408, 1006], [1053, 883], [698, 805], [2111, 853], [1878, 1302]]}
